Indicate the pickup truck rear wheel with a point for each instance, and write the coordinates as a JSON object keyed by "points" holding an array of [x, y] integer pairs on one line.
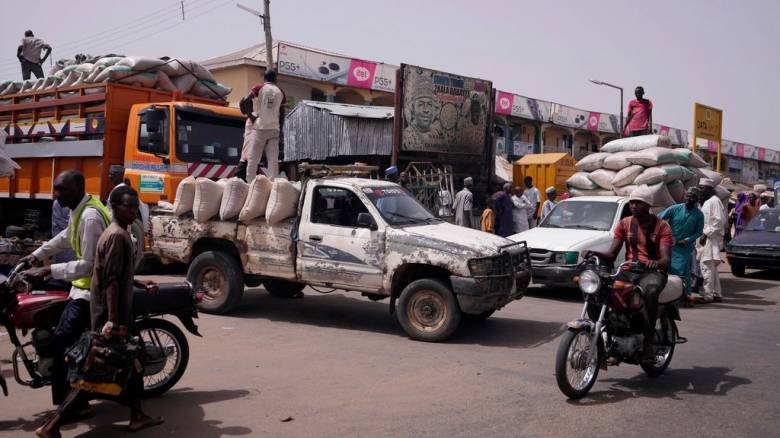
{"points": [[220, 277], [282, 288], [428, 310]]}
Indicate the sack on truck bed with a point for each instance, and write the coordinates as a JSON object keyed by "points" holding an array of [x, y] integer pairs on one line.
{"points": [[185, 196], [141, 63], [661, 196], [625, 190], [575, 193], [210, 89], [711, 174], [617, 161], [146, 80], [581, 181], [653, 157], [208, 199], [591, 162], [233, 198], [184, 83], [637, 143], [603, 178], [676, 190], [627, 176], [164, 82], [257, 199], [283, 202]]}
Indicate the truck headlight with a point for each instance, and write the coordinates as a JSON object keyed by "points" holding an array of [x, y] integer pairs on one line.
{"points": [[590, 282], [565, 258], [481, 267]]}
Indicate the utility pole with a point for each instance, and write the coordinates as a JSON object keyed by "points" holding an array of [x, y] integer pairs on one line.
{"points": [[266, 17]]}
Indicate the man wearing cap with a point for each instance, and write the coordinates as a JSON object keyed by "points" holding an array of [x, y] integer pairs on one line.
{"points": [[549, 204], [534, 198], [711, 242], [504, 208], [464, 202], [648, 240], [520, 211], [766, 200], [687, 222], [29, 55]]}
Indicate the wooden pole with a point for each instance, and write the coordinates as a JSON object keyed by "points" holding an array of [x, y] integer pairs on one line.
{"points": [[269, 44]]}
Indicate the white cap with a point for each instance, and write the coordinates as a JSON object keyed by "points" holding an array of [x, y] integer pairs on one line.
{"points": [[643, 193], [550, 190], [707, 182]]}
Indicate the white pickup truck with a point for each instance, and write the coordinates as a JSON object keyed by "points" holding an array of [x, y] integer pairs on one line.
{"points": [[353, 234], [575, 225]]}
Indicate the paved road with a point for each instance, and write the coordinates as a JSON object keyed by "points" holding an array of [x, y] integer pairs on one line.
{"points": [[339, 365]]}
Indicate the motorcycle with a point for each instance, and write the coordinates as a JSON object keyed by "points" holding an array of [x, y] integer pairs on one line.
{"points": [[36, 310], [610, 329]]}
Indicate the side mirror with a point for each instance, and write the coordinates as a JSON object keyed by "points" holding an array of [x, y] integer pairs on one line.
{"points": [[153, 117], [365, 220]]}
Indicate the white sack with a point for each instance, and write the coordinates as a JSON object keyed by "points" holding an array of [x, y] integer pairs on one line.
{"points": [[627, 176], [652, 157], [184, 83], [185, 196], [603, 178], [661, 196], [208, 199], [575, 193], [233, 197], [625, 190], [164, 82], [591, 162], [283, 202], [581, 181], [107, 61], [146, 80], [140, 63], [676, 190], [651, 175], [617, 161], [637, 143], [257, 198], [711, 174], [722, 192]]}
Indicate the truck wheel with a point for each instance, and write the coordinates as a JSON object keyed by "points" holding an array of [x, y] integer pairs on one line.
{"points": [[282, 288], [737, 269], [428, 310], [220, 277]]}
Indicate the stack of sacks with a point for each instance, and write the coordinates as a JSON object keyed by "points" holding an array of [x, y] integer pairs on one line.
{"points": [[648, 160], [189, 77], [231, 199]]}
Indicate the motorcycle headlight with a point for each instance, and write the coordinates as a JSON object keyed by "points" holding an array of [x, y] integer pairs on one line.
{"points": [[565, 258], [590, 282]]}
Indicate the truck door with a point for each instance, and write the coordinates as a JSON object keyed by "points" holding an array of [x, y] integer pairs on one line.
{"points": [[333, 248]]}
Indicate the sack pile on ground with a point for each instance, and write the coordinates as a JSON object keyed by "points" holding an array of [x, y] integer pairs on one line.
{"points": [[231, 199], [626, 163], [189, 77]]}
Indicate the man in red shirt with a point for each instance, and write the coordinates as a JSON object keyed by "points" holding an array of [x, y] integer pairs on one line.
{"points": [[648, 239], [640, 115]]}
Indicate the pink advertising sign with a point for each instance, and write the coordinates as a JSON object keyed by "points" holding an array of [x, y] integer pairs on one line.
{"points": [[712, 146], [504, 103], [361, 73], [740, 150], [593, 121], [761, 154]]}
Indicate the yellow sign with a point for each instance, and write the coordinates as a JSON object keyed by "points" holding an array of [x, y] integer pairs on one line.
{"points": [[708, 125]]}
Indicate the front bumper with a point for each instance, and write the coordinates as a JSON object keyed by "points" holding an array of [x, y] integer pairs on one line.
{"points": [[756, 259], [477, 295], [552, 274]]}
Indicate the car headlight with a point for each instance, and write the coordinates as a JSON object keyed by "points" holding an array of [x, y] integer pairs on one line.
{"points": [[590, 282], [481, 267], [565, 258]]}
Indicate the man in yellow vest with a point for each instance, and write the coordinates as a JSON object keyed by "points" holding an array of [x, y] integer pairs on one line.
{"points": [[88, 219]]}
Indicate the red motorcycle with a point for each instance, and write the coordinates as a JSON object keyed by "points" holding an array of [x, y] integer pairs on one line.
{"points": [[35, 310]]}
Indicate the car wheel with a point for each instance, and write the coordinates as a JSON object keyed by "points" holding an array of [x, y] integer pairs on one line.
{"points": [[738, 269], [221, 279]]}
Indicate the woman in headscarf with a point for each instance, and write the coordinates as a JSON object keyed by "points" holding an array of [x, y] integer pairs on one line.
{"points": [[736, 214]]}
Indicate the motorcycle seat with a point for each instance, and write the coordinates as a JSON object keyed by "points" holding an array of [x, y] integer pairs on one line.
{"points": [[673, 291]]}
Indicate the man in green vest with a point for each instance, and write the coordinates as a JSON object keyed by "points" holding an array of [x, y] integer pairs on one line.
{"points": [[88, 219]]}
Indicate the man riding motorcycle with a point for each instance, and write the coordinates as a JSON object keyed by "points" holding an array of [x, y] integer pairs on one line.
{"points": [[88, 219], [648, 240]]}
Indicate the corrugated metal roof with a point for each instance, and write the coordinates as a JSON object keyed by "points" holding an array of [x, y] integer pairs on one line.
{"points": [[314, 131]]}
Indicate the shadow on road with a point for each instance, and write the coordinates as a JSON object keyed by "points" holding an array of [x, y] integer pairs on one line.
{"points": [[181, 408], [567, 294], [344, 312], [673, 384]]}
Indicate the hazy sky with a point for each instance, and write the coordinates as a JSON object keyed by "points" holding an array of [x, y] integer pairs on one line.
{"points": [[721, 53]]}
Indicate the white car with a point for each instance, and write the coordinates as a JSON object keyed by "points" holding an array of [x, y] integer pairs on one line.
{"points": [[575, 225]]}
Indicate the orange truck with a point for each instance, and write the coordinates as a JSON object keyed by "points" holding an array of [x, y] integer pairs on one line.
{"points": [[160, 137]]}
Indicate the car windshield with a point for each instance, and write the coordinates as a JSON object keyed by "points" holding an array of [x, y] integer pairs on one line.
{"points": [[581, 215], [397, 206], [765, 220]]}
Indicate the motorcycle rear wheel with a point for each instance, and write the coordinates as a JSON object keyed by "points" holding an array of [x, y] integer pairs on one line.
{"points": [[663, 353], [161, 336], [574, 376]]}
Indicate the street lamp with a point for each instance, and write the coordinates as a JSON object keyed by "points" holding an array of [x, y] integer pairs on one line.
{"points": [[607, 84]]}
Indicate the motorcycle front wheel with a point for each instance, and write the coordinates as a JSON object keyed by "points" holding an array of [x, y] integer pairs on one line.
{"points": [[574, 375], [167, 353]]}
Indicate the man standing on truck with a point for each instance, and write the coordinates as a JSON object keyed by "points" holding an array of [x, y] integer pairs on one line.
{"points": [[29, 54], [88, 219], [464, 202], [267, 121], [640, 115]]}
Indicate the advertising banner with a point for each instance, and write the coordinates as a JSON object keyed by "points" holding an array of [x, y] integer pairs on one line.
{"points": [[679, 136], [589, 120], [318, 66], [520, 106], [443, 112], [521, 148]]}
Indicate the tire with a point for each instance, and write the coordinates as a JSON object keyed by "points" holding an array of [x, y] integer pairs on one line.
{"points": [[479, 316], [428, 310], [154, 332], [563, 361], [283, 288], [221, 278], [738, 269], [658, 368]]}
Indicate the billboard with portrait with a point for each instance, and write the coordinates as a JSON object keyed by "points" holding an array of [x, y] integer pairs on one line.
{"points": [[443, 112]]}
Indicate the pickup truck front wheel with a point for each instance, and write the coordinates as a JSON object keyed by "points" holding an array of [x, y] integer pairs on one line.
{"points": [[428, 310], [221, 279]]}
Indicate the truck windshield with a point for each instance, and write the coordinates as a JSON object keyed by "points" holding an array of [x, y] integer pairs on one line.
{"points": [[202, 136], [581, 215], [397, 207]]}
